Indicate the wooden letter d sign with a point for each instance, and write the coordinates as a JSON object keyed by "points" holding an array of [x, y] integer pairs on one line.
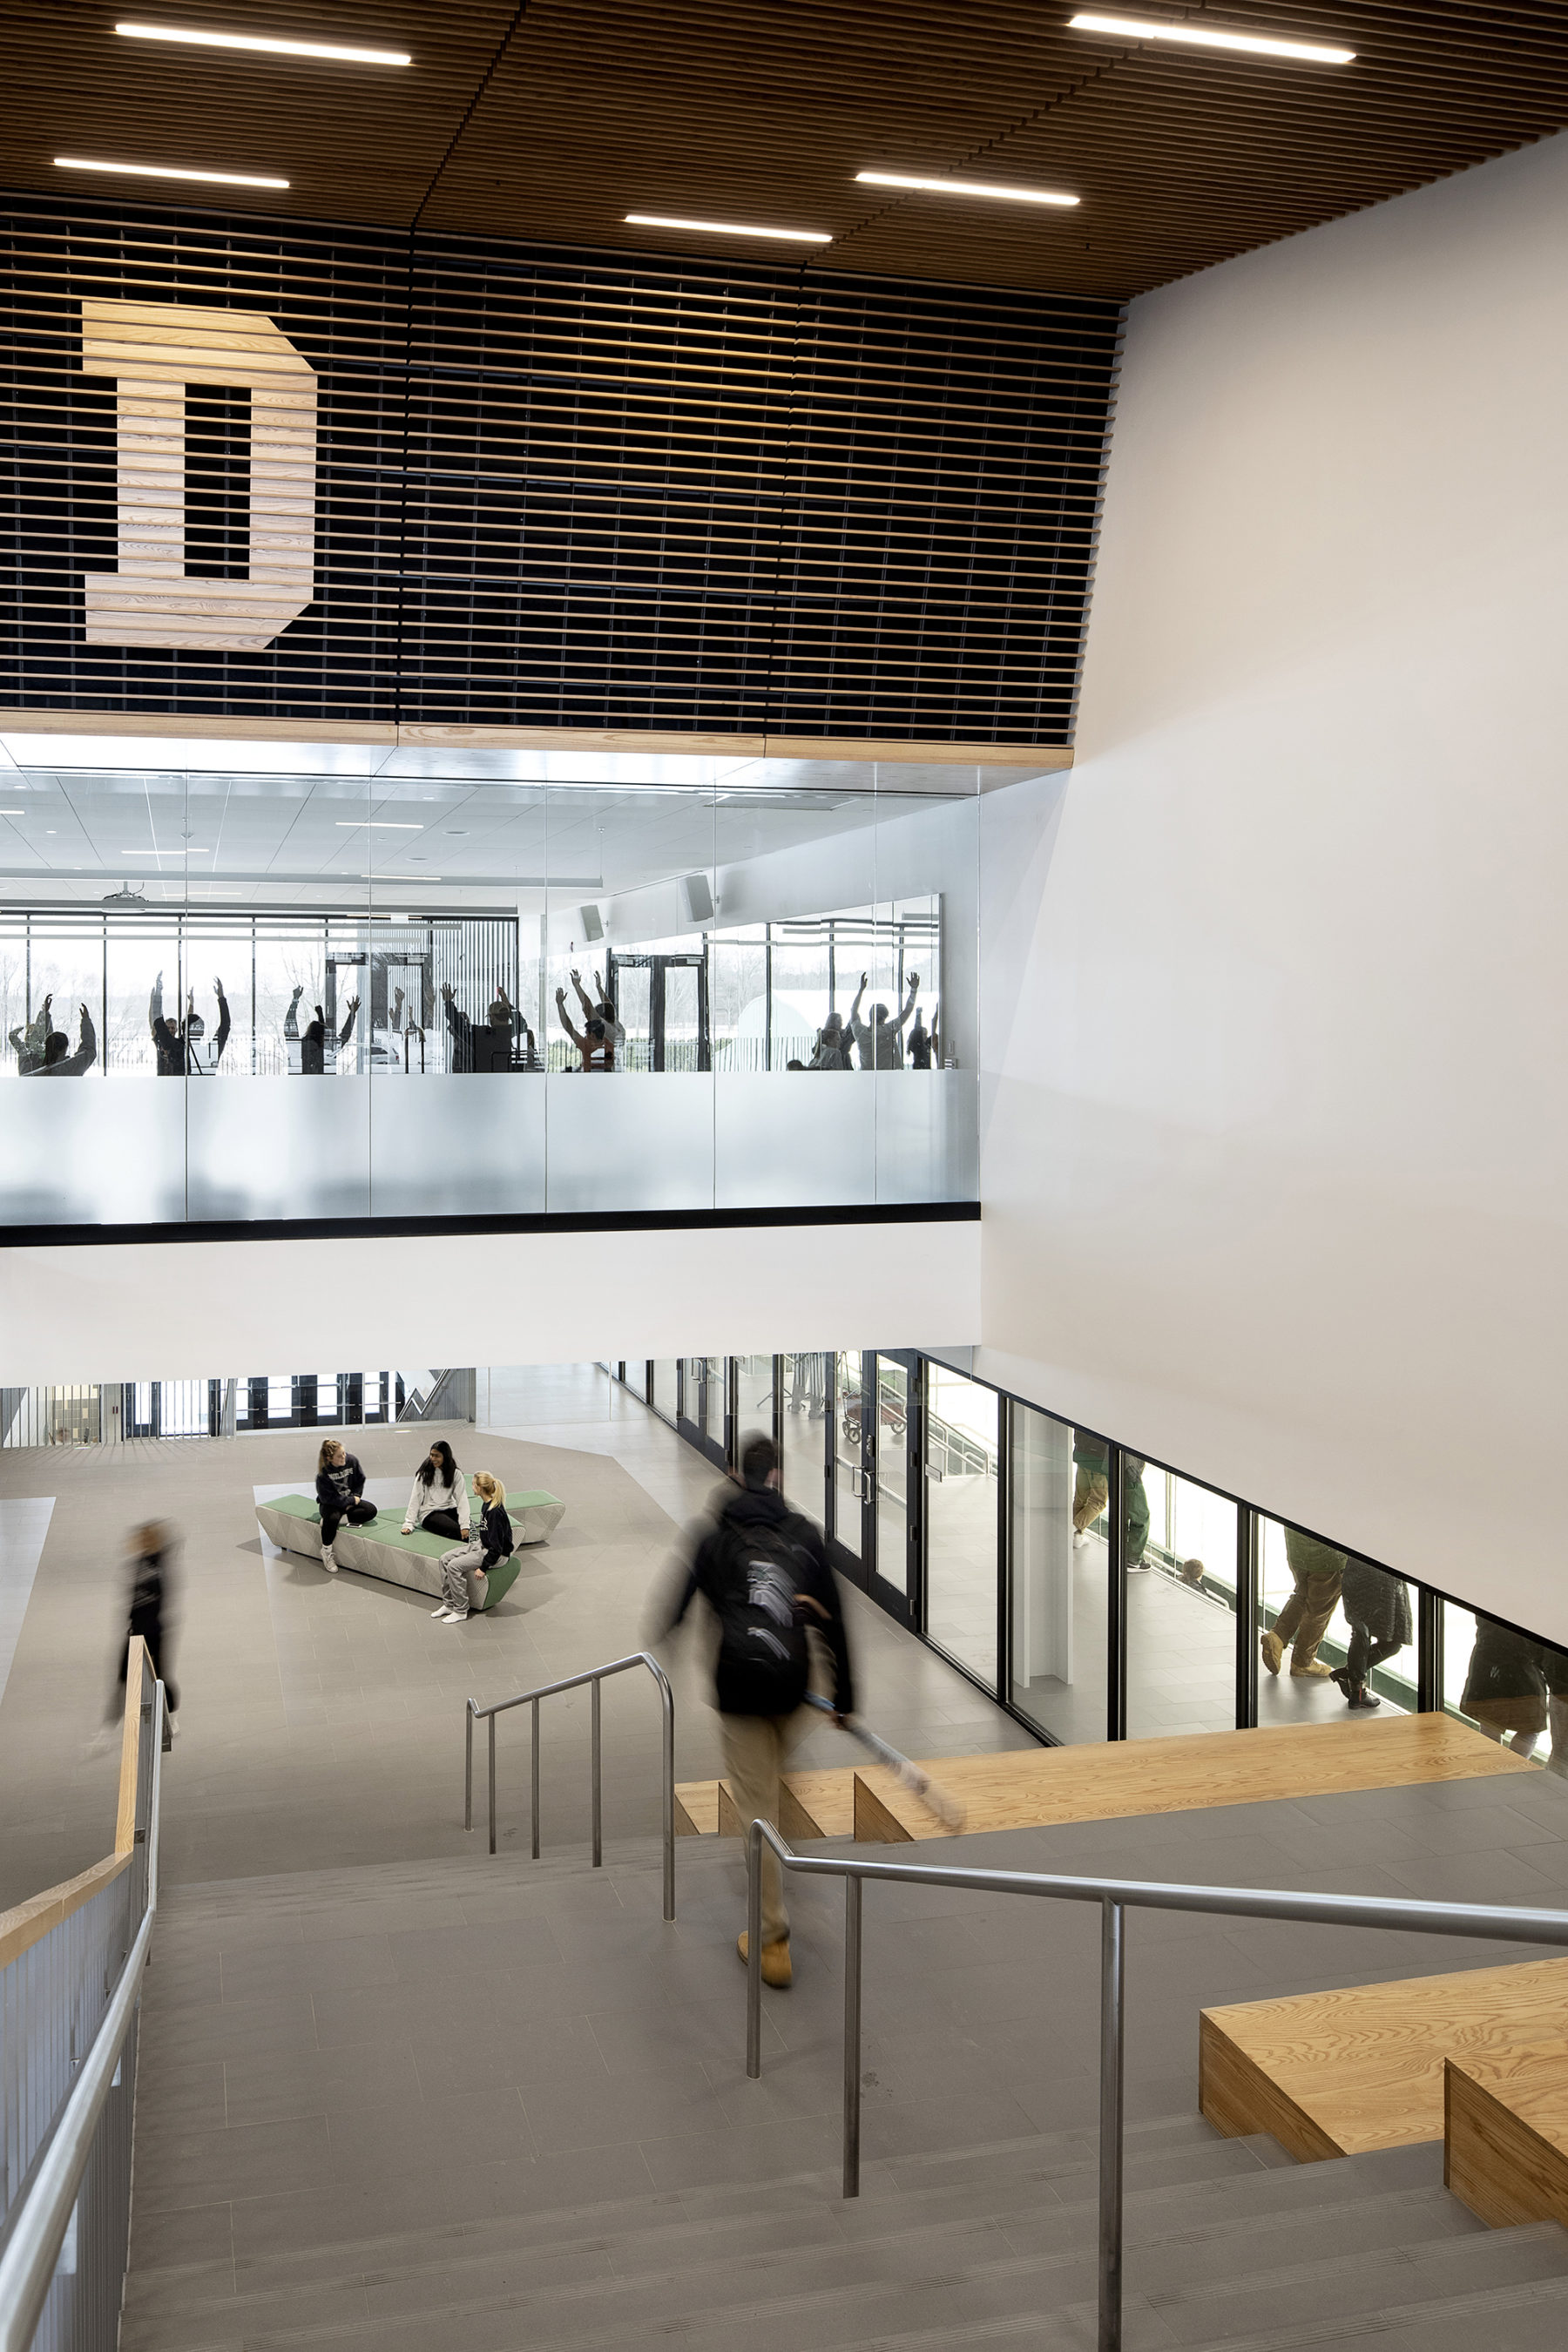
{"points": [[155, 350]]}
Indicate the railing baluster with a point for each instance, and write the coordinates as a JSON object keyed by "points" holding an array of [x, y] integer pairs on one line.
{"points": [[597, 1771], [1112, 1983], [534, 1797], [594, 1677], [852, 2037]]}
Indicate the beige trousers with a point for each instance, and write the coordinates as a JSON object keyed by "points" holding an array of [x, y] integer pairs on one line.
{"points": [[1304, 1620], [1090, 1493], [756, 1749]]}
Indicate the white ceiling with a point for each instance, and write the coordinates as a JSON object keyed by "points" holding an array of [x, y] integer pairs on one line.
{"points": [[223, 823]]}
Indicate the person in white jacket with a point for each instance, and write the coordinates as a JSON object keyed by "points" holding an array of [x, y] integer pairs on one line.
{"points": [[438, 1500]]}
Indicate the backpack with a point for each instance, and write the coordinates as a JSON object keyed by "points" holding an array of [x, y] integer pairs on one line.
{"points": [[763, 1665]]}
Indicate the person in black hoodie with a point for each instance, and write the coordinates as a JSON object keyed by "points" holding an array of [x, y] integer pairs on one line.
{"points": [[340, 1492], [490, 1544], [764, 1573]]}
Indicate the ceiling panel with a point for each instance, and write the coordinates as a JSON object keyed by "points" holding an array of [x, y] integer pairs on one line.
{"points": [[550, 123]]}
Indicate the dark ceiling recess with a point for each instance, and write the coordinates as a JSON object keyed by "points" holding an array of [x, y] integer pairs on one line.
{"points": [[551, 124]]}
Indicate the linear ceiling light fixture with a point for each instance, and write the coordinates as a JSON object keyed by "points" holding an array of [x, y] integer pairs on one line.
{"points": [[1210, 37], [261, 41], [968, 188], [166, 172], [166, 853], [375, 824], [728, 229]]}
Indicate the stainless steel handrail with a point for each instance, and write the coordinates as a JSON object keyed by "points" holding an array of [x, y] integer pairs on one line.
{"points": [[1489, 1922], [33, 2250], [593, 1676]]}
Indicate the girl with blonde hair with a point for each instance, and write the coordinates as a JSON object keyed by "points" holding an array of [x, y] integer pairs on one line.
{"points": [[491, 1543]]}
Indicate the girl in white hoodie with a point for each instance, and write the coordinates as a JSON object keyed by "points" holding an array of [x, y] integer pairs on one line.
{"points": [[438, 1501]]}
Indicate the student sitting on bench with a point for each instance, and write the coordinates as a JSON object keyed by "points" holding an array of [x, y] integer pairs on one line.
{"points": [[438, 1500], [492, 1544], [340, 1491]]}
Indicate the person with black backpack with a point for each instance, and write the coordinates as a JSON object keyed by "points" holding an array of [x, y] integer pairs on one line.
{"points": [[764, 1573]]}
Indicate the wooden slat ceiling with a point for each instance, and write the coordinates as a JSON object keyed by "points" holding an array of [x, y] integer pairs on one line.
{"points": [[549, 120]]}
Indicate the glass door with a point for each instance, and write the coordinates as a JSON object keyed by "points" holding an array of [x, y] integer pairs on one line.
{"points": [[888, 1486], [704, 1382], [847, 1485]]}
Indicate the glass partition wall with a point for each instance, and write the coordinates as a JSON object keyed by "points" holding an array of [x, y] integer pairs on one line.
{"points": [[455, 941], [1094, 1593]]}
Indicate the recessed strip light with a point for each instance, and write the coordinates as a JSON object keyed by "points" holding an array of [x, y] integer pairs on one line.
{"points": [[13, 811], [728, 229], [167, 172], [259, 41], [165, 853], [1207, 36], [375, 824], [968, 188]]}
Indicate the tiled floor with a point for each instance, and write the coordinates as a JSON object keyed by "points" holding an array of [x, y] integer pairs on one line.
{"points": [[321, 1720]]}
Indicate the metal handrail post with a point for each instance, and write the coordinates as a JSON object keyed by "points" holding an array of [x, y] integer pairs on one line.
{"points": [[1112, 1986], [596, 1772], [667, 1794], [595, 1676], [754, 1948], [534, 1799], [852, 2037]]}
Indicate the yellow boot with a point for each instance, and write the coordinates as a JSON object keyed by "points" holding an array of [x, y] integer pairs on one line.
{"points": [[777, 1970]]}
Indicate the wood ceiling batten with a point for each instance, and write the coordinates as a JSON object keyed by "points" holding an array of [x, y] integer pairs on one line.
{"points": [[563, 490], [550, 125]]}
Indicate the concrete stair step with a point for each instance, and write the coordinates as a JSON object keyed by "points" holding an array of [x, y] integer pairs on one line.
{"points": [[1207, 2286], [668, 2217]]}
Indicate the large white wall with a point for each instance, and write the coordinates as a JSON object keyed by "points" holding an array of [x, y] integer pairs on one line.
{"points": [[189, 1310], [1275, 1154]]}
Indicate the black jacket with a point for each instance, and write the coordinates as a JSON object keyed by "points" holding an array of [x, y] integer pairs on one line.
{"points": [[748, 1507], [337, 1489], [495, 1534]]}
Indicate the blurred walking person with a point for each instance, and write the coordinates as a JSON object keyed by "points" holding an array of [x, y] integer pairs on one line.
{"points": [[150, 1617], [763, 1570]]}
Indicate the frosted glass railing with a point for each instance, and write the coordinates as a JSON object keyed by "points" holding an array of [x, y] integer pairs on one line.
{"points": [[135, 1150]]}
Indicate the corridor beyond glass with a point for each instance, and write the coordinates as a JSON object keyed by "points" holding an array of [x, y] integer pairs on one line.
{"points": [[255, 988]]}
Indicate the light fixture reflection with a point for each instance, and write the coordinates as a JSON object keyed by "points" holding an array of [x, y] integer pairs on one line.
{"points": [[728, 229], [968, 188], [261, 41], [167, 172], [1208, 36]]}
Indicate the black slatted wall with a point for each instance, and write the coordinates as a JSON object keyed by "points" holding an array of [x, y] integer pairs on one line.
{"points": [[567, 490]]}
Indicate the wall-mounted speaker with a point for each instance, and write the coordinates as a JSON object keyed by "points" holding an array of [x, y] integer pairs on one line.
{"points": [[592, 924], [697, 898]]}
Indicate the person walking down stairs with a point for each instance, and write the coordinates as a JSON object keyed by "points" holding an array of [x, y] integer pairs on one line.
{"points": [[1317, 1574], [763, 1570]]}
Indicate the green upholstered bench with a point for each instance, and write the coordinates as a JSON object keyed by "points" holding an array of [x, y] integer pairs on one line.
{"points": [[380, 1547]]}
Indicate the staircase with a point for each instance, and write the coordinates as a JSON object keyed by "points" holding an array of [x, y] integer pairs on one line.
{"points": [[242, 2239]]}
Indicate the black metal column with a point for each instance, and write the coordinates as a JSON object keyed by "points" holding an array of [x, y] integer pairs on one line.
{"points": [[1247, 1618], [1116, 1597]]}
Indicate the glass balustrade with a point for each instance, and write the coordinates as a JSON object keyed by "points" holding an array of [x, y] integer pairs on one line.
{"points": [[449, 988]]}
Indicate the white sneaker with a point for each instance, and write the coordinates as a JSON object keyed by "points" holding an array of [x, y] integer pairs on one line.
{"points": [[329, 1564], [1079, 1541], [457, 1616], [442, 1611], [174, 1727]]}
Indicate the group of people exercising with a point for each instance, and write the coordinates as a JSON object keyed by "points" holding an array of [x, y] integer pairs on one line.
{"points": [[502, 1040], [438, 1502]]}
